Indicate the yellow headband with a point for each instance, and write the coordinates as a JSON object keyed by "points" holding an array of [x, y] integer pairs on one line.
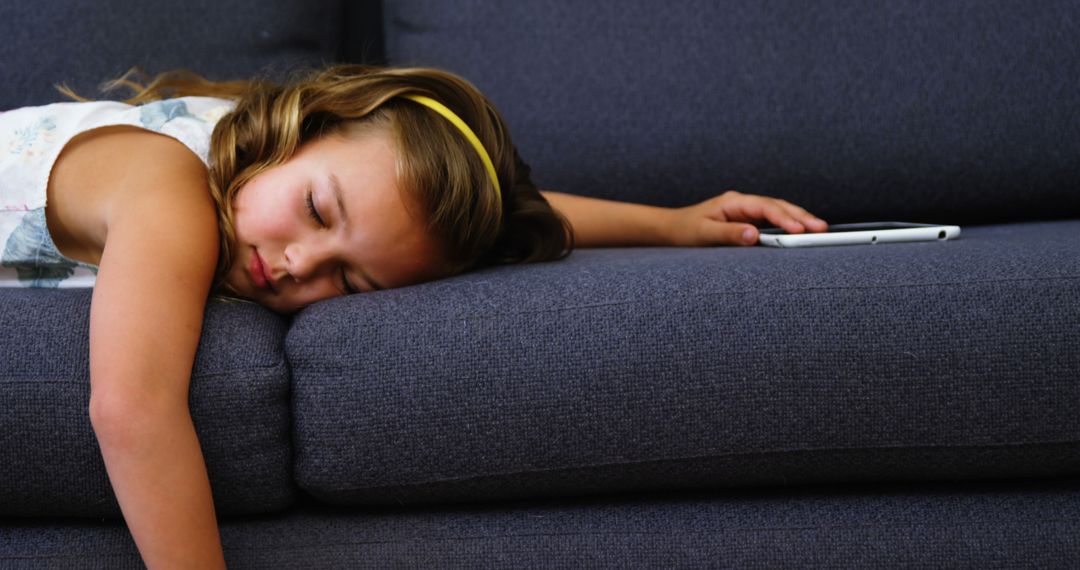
{"points": [[469, 134]]}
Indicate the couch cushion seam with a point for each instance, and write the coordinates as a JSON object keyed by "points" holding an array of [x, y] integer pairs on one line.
{"points": [[679, 532], [60, 380], [706, 457]]}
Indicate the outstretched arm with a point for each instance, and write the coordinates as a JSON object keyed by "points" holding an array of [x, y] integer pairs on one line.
{"points": [[722, 220], [146, 317]]}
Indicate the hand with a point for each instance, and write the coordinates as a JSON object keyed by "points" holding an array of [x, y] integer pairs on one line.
{"points": [[719, 220]]}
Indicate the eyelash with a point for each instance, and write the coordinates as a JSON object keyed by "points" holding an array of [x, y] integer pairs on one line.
{"points": [[311, 209], [349, 289]]}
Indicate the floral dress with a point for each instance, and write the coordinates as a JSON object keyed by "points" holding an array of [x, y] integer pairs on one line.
{"points": [[31, 139]]}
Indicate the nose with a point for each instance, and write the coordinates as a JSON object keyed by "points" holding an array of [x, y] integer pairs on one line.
{"points": [[305, 260]]}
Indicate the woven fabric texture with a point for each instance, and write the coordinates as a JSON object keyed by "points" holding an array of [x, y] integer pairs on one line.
{"points": [[620, 370], [950, 112], [975, 526], [89, 43], [50, 462]]}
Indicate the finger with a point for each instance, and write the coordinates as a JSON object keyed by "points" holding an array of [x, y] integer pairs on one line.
{"points": [[815, 224], [781, 213], [748, 208], [731, 233], [745, 208], [810, 221], [782, 218]]}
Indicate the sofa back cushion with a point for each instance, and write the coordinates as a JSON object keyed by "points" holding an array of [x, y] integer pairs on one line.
{"points": [[958, 112], [85, 43], [50, 463]]}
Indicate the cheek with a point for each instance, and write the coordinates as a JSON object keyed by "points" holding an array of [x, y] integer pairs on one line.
{"points": [[259, 212]]}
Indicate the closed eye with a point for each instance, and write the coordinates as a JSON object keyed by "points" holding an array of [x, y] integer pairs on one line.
{"points": [[311, 208]]}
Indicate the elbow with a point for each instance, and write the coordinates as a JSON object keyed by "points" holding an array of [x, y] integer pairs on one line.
{"points": [[111, 419], [127, 421]]}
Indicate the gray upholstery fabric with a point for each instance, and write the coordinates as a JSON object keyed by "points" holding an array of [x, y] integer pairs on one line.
{"points": [[952, 112], [974, 526], [619, 370], [50, 463], [86, 43], [638, 369]]}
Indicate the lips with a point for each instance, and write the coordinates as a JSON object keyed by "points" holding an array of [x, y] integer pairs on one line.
{"points": [[259, 276]]}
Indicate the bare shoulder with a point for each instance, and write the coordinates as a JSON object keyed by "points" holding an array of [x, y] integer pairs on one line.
{"points": [[157, 263], [107, 173], [126, 188], [160, 248], [160, 220]]}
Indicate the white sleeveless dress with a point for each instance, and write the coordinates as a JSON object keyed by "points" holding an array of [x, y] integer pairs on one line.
{"points": [[31, 139]]}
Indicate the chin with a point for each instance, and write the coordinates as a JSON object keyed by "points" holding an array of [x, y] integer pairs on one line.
{"points": [[268, 304], [281, 311], [272, 302], [247, 291]]}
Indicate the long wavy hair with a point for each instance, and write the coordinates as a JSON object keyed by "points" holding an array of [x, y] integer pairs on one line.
{"points": [[439, 172]]}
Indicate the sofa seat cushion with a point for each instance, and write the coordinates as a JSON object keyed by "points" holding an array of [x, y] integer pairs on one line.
{"points": [[50, 463], [642, 369], [1014, 524]]}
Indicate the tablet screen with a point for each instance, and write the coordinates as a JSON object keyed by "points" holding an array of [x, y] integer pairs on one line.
{"points": [[868, 227]]}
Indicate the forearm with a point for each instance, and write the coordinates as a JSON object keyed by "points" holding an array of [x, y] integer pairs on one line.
{"points": [[608, 223], [157, 471]]}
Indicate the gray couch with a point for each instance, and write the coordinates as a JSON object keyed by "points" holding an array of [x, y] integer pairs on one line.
{"points": [[905, 405]]}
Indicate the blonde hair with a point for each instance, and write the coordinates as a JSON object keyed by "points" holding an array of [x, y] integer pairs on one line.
{"points": [[439, 170]]}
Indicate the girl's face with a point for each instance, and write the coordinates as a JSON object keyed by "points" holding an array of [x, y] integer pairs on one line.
{"points": [[329, 221]]}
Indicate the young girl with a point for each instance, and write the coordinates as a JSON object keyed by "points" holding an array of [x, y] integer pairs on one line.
{"points": [[351, 179]]}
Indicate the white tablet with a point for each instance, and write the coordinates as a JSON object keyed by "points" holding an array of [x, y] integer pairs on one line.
{"points": [[853, 234]]}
